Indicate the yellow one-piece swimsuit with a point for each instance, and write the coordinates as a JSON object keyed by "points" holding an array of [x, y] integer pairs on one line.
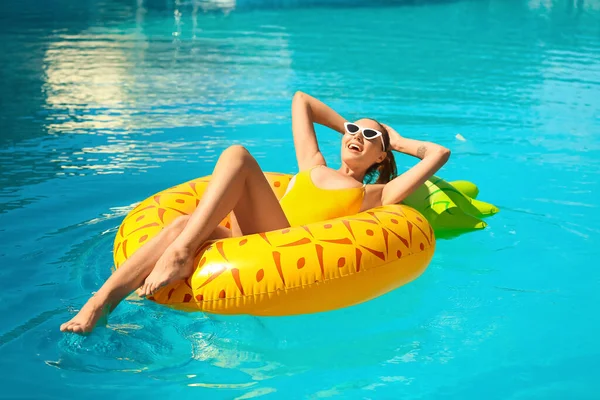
{"points": [[305, 203]]}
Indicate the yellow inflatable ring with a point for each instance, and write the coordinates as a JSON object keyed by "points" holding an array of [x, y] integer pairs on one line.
{"points": [[305, 269]]}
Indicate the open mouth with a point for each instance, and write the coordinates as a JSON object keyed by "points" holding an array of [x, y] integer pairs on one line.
{"points": [[354, 148]]}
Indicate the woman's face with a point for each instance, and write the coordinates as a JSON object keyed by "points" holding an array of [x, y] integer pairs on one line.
{"points": [[360, 153]]}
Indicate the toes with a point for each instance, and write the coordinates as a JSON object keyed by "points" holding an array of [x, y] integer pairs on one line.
{"points": [[66, 327], [77, 329], [155, 288], [145, 290], [149, 289]]}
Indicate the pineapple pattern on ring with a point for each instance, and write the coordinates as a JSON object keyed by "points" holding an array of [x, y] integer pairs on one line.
{"points": [[274, 273]]}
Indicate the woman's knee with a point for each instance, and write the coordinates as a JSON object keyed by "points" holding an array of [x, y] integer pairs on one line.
{"points": [[238, 153]]}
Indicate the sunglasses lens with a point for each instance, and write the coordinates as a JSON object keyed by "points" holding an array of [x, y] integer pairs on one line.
{"points": [[352, 128], [369, 133]]}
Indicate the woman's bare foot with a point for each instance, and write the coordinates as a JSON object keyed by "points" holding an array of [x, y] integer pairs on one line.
{"points": [[173, 265], [87, 318]]}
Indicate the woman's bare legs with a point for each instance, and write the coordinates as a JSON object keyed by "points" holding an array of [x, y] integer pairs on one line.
{"points": [[130, 276], [239, 186]]}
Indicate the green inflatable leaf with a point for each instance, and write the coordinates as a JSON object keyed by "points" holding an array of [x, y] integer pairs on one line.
{"points": [[450, 206]]}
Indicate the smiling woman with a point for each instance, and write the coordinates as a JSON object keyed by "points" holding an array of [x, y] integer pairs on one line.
{"points": [[238, 186]]}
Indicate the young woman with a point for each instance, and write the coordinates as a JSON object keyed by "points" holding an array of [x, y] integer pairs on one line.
{"points": [[239, 186]]}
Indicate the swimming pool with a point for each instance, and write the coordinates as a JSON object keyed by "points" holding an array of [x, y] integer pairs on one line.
{"points": [[105, 102]]}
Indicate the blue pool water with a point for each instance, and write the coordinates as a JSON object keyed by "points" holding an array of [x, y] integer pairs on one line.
{"points": [[103, 103]]}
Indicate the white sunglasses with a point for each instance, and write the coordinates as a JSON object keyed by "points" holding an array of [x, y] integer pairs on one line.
{"points": [[368, 133]]}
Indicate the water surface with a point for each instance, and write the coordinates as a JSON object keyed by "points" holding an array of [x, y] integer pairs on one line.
{"points": [[106, 102]]}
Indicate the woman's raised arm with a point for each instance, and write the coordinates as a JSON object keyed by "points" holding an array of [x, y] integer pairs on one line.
{"points": [[432, 156], [306, 110]]}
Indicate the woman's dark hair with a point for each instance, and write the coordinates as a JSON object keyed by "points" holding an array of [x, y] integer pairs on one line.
{"points": [[385, 171]]}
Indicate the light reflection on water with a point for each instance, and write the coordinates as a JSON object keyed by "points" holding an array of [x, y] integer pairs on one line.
{"points": [[119, 81]]}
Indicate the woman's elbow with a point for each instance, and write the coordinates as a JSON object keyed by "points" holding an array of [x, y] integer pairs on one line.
{"points": [[444, 154]]}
